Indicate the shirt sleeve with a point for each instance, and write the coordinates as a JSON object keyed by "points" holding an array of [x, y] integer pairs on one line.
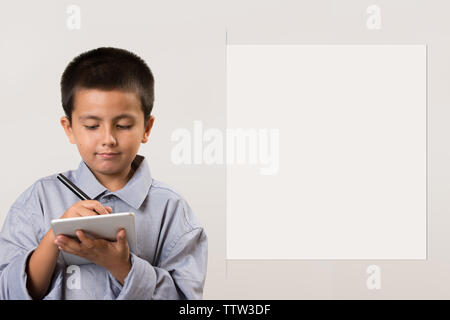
{"points": [[19, 237], [181, 275], [180, 271]]}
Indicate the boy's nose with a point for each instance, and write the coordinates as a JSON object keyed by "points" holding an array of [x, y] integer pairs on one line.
{"points": [[109, 137]]}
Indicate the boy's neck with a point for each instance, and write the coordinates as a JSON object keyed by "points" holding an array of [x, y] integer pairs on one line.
{"points": [[114, 183]]}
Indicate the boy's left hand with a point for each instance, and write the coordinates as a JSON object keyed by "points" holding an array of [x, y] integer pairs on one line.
{"points": [[112, 255]]}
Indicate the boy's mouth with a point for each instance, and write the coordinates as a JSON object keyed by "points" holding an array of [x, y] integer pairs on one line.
{"points": [[108, 155]]}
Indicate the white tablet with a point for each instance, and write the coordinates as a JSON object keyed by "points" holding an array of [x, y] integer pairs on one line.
{"points": [[103, 226]]}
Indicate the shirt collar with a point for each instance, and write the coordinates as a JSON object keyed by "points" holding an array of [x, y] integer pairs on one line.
{"points": [[134, 192]]}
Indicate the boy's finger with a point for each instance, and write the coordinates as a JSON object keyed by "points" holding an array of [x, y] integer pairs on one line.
{"points": [[60, 238], [68, 244], [100, 209], [88, 243], [94, 205], [84, 212], [121, 236], [68, 249]]}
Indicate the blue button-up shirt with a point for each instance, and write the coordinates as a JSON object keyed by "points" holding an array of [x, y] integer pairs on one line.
{"points": [[171, 257]]}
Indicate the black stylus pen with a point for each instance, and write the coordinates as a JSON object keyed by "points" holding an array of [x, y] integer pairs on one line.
{"points": [[80, 194]]}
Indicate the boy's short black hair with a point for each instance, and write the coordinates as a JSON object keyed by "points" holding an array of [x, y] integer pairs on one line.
{"points": [[108, 68]]}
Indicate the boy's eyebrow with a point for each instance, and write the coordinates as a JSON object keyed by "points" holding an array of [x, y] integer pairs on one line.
{"points": [[91, 116]]}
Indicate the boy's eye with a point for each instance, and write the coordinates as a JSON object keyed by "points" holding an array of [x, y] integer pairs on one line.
{"points": [[119, 126]]}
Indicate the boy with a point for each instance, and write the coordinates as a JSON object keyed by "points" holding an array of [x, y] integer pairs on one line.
{"points": [[107, 96]]}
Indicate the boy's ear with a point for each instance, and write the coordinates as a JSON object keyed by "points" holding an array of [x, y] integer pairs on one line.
{"points": [[68, 129], [148, 128]]}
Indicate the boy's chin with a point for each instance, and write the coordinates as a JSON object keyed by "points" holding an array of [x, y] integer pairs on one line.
{"points": [[106, 167], [108, 172]]}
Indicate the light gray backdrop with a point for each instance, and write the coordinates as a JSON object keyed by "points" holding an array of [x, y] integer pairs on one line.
{"points": [[184, 43]]}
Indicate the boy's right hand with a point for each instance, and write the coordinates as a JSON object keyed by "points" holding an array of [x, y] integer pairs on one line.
{"points": [[85, 208]]}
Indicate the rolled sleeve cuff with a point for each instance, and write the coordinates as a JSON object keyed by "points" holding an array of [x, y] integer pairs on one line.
{"points": [[140, 282], [16, 276]]}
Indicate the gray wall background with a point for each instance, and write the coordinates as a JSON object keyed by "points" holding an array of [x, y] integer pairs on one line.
{"points": [[184, 44]]}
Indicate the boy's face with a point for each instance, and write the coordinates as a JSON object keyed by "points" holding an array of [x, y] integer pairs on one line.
{"points": [[107, 122]]}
